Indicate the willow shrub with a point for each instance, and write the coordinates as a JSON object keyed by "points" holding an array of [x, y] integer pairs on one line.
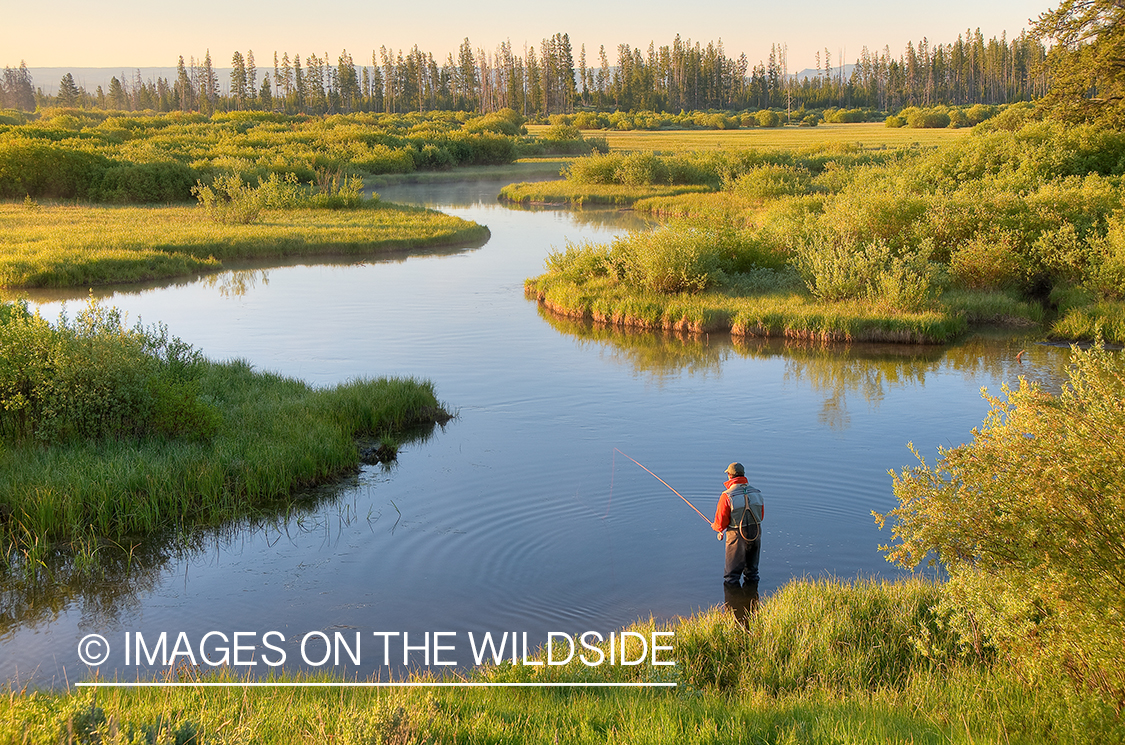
{"points": [[835, 269], [1028, 520], [683, 257], [93, 378]]}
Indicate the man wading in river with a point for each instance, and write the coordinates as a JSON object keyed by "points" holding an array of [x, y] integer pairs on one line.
{"points": [[740, 514]]}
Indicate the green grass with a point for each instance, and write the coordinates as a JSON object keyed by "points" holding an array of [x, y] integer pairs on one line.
{"points": [[867, 135], [772, 313], [576, 195], [62, 245], [276, 435], [1104, 318], [819, 662]]}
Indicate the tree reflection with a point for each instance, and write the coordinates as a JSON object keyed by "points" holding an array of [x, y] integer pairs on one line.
{"points": [[238, 282], [839, 372]]}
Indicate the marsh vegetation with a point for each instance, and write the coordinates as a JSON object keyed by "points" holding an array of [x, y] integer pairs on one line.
{"points": [[988, 229]]}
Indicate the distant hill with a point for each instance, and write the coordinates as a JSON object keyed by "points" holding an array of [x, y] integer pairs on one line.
{"points": [[47, 78], [810, 72]]}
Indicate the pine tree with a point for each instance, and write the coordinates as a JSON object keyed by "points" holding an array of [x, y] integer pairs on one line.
{"points": [[265, 95], [238, 80], [209, 89], [118, 99], [348, 81], [251, 76], [18, 90], [185, 91], [1086, 60], [68, 91]]}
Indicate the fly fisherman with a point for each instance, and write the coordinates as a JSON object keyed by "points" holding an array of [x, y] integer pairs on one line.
{"points": [[739, 514]]}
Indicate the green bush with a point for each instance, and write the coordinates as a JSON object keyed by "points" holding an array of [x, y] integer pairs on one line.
{"points": [[835, 269], [229, 200], [928, 119], [1027, 521], [989, 261], [1106, 275], [40, 169], [771, 181], [145, 183], [767, 118], [93, 379]]}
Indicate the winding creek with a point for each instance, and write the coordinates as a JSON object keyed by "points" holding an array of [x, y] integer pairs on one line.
{"points": [[518, 515]]}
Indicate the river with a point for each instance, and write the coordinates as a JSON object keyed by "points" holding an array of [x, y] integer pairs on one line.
{"points": [[522, 514]]}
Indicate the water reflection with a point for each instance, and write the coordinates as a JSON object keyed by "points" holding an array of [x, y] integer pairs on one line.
{"points": [[742, 600], [838, 372], [658, 354], [237, 283], [610, 218]]}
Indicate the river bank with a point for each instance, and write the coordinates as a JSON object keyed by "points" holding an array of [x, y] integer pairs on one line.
{"points": [[818, 662], [58, 244]]}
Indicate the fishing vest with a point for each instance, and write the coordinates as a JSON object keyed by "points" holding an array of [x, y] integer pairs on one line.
{"points": [[745, 506]]}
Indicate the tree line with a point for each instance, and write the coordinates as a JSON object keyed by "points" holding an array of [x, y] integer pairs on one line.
{"points": [[539, 82]]}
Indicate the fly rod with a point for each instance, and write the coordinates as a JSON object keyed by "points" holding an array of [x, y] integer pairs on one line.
{"points": [[681, 496]]}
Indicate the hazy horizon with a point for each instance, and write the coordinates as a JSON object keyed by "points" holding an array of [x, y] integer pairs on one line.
{"points": [[98, 35]]}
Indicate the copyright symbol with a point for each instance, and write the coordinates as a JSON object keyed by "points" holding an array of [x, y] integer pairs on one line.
{"points": [[93, 650]]}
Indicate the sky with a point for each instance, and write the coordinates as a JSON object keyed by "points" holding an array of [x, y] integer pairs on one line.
{"points": [[150, 33]]}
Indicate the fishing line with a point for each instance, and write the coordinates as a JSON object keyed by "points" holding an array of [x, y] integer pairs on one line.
{"points": [[681, 496]]}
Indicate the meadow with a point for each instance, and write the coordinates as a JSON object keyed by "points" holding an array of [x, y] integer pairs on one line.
{"points": [[862, 134]]}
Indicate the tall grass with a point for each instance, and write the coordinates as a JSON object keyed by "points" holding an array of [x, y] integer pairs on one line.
{"points": [[277, 435]]}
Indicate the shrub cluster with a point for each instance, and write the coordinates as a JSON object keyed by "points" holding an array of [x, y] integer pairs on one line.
{"points": [[158, 158], [836, 270], [681, 258], [92, 378], [230, 200], [1027, 520]]}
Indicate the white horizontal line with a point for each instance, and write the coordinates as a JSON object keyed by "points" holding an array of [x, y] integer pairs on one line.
{"points": [[266, 684]]}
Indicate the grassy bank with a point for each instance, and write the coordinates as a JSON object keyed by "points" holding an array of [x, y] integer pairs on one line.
{"points": [[110, 433], [792, 315], [702, 279], [576, 195], [61, 245], [819, 662]]}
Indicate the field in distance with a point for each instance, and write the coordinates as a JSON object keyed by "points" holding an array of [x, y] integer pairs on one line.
{"points": [[867, 135]]}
